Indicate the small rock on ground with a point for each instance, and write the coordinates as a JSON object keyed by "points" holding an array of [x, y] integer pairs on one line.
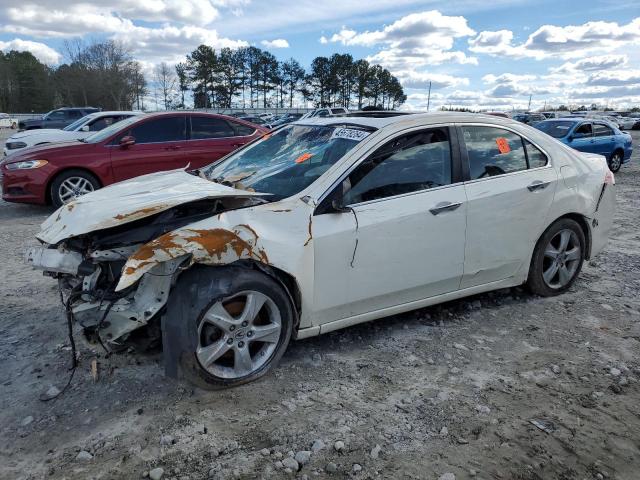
{"points": [[156, 473], [83, 455]]}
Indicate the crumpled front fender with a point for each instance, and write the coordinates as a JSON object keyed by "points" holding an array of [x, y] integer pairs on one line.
{"points": [[216, 246]]}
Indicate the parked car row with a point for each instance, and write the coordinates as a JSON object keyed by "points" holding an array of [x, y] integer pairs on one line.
{"points": [[82, 128], [317, 226], [58, 118], [591, 136], [7, 121], [57, 173]]}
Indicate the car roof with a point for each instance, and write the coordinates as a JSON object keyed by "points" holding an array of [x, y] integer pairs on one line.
{"points": [[114, 112], [417, 118]]}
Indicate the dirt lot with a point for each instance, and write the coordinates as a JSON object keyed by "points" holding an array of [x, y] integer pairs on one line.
{"points": [[445, 390]]}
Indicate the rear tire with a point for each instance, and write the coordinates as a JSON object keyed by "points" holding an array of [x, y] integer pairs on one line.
{"points": [[615, 162], [557, 258], [72, 184], [239, 321]]}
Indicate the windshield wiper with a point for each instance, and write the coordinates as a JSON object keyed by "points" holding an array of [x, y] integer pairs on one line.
{"points": [[82, 140]]}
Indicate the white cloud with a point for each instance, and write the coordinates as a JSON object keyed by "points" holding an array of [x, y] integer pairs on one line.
{"points": [[42, 52], [615, 78], [418, 80], [277, 43], [571, 41], [590, 64], [159, 43], [46, 18], [507, 78], [418, 39]]}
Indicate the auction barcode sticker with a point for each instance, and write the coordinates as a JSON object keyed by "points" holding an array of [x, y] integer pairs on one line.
{"points": [[349, 134]]}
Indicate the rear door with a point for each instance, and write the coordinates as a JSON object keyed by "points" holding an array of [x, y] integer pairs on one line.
{"points": [[510, 187], [159, 145], [604, 140], [211, 138]]}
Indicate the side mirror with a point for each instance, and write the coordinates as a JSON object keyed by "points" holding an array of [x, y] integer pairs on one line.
{"points": [[127, 141], [570, 138], [85, 128]]}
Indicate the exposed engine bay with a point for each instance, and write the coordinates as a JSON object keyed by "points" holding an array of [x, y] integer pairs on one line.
{"points": [[89, 266]]}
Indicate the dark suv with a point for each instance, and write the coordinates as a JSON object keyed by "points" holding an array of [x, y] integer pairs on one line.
{"points": [[58, 118]]}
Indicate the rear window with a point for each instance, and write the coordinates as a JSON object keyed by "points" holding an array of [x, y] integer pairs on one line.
{"points": [[555, 128], [210, 127]]}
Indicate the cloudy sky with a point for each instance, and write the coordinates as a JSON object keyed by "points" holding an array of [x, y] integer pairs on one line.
{"points": [[489, 54]]}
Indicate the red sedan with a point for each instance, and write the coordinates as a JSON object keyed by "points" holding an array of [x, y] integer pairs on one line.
{"points": [[58, 173]]}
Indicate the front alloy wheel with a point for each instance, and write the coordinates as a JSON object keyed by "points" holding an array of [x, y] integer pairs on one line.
{"points": [[73, 188], [238, 334]]}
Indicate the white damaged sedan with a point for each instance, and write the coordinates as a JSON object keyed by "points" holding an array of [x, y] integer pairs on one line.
{"points": [[323, 224]]}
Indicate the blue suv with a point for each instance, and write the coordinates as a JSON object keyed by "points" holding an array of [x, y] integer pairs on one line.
{"points": [[592, 136]]}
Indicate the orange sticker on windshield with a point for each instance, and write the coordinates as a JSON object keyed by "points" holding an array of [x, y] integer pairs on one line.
{"points": [[265, 136], [503, 145], [304, 157]]}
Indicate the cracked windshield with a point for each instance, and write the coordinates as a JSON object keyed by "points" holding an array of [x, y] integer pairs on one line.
{"points": [[287, 161]]}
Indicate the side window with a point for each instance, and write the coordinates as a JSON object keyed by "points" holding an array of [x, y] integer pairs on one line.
{"points": [[323, 113], [493, 151], [57, 115], [535, 157], [583, 130], [74, 114], [413, 162], [242, 130], [210, 127], [101, 123], [170, 129], [601, 130]]}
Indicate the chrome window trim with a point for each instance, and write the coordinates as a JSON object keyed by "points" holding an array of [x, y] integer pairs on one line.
{"points": [[402, 195]]}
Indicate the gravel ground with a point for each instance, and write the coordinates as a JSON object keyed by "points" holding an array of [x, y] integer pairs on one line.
{"points": [[498, 386]]}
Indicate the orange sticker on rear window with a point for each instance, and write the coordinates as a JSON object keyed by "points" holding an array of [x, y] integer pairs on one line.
{"points": [[266, 135], [304, 157], [503, 145]]}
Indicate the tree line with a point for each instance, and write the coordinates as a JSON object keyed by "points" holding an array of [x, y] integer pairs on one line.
{"points": [[105, 74], [100, 75], [250, 77]]}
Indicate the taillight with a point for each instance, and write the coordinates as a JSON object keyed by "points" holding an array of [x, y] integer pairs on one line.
{"points": [[609, 179]]}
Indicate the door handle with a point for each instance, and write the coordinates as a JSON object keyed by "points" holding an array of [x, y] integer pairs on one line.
{"points": [[538, 185], [444, 207], [172, 147], [236, 145]]}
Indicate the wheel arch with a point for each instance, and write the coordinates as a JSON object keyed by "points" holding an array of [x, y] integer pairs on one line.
{"points": [[584, 225], [53, 177]]}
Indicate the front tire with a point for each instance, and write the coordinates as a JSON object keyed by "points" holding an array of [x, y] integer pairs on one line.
{"points": [[557, 258], [240, 322], [71, 185]]}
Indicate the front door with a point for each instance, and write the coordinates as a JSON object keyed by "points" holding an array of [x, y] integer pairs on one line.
{"points": [[510, 189], [159, 145], [401, 233]]}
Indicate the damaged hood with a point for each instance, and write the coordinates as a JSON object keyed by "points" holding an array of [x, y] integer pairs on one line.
{"points": [[131, 200]]}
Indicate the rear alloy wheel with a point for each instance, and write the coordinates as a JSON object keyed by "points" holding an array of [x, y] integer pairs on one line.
{"points": [[557, 258], [71, 185], [615, 162]]}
